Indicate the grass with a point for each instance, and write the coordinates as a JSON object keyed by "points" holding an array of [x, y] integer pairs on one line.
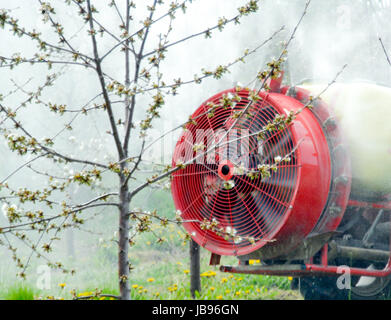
{"points": [[160, 277], [155, 284], [161, 271], [18, 292]]}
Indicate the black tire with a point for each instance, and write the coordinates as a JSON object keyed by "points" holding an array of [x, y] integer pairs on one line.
{"points": [[325, 288], [320, 288]]}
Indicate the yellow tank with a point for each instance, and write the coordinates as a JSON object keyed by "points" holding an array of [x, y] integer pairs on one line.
{"points": [[364, 112]]}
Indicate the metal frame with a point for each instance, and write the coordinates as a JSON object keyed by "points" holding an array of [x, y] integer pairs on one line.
{"points": [[310, 269]]}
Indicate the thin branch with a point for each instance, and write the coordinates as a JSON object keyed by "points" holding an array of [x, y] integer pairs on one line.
{"points": [[22, 166], [104, 196], [104, 29], [170, 12], [385, 51], [77, 209], [103, 85], [136, 165], [52, 46], [129, 120]]}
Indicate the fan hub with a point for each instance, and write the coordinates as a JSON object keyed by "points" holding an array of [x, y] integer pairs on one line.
{"points": [[225, 170]]}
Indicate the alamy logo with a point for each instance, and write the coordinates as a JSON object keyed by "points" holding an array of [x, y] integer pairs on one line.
{"points": [[44, 277], [344, 281], [206, 146]]}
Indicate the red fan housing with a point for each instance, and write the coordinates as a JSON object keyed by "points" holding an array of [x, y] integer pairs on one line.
{"points": [[222, 185]]}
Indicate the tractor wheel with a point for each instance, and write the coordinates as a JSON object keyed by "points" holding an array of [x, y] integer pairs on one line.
{"points": [[372, 289], [325, 288], [320, 288]]}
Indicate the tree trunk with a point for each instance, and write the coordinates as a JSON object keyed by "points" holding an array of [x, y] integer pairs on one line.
{"points": [[123, 242], [195, 279]]}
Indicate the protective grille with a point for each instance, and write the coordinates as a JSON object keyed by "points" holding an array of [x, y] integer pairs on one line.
{"points": [[248, 209]]}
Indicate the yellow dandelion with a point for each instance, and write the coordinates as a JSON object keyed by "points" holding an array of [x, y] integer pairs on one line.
{"points": [[219, 297], [208, 274], [290, 278], [224, 280], [187, 271], [150, 279], [157, 294], [173, 288], [230, 276], [179, 263], [227, 291], [62, 285], [85, 294], [135, 286], [212, 288], [258, 290], [237, 293]]}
